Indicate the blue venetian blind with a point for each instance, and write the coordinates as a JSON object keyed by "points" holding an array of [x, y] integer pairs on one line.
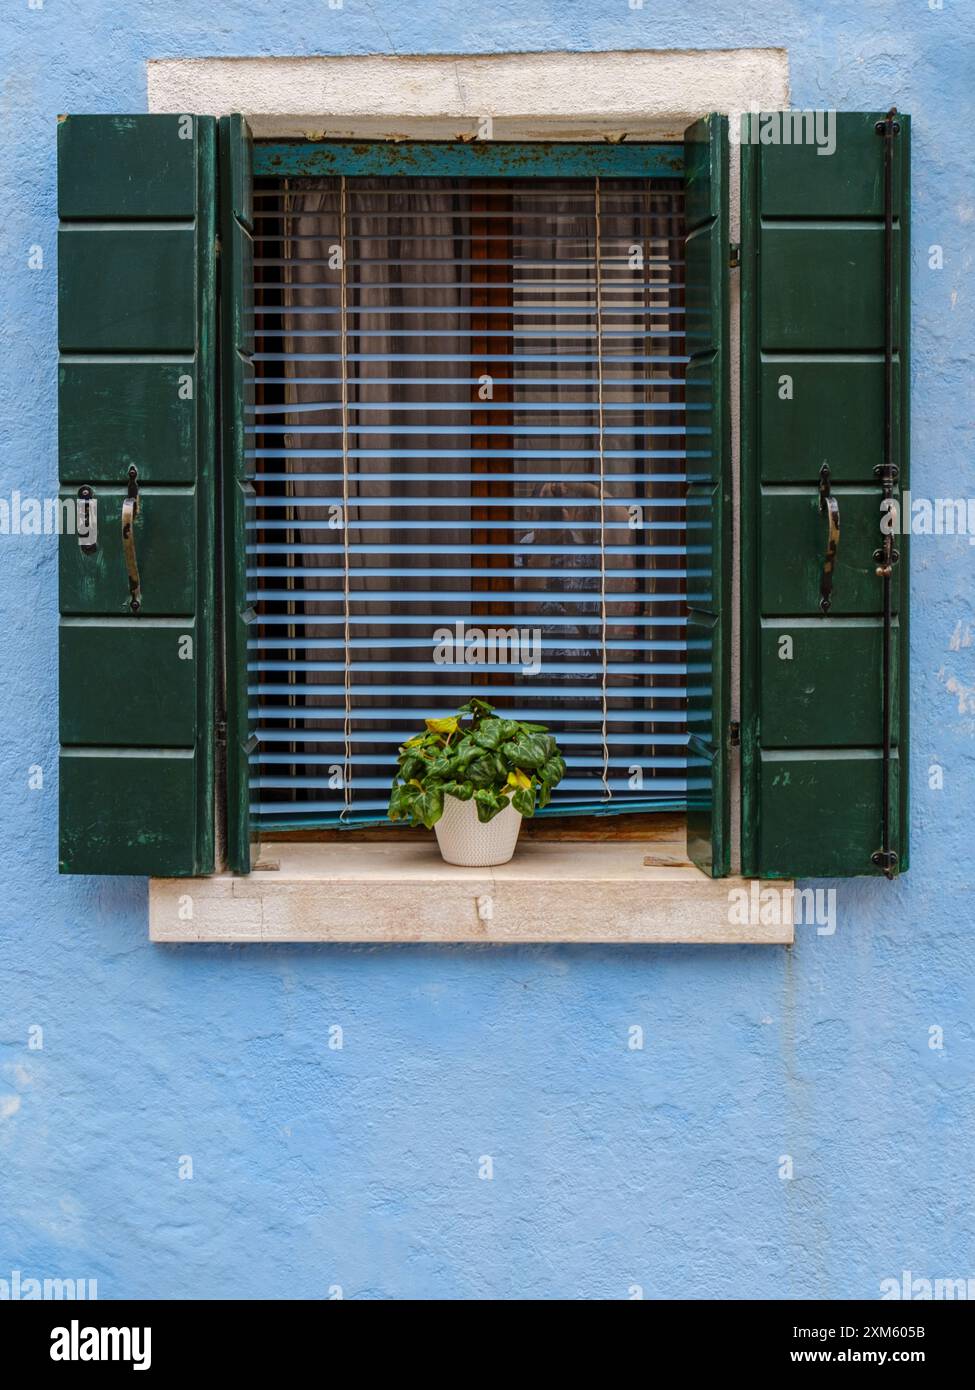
{"points": [[469, 419]]}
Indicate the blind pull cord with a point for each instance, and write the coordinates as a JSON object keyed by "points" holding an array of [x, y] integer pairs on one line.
{"points": [[603, 621]]}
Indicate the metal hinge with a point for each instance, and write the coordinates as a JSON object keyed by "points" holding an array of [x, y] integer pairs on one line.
{"points": [[734, 255], [220, 731], [734, 733], [886, 861], [217, 245]]}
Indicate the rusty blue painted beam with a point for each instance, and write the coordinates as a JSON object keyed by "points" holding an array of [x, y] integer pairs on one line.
{"points": [[468, 159]]}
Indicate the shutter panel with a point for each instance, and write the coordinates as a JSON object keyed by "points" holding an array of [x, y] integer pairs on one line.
{"points": [[813, 394], [136, 328], [237, 279], [708, 497]]}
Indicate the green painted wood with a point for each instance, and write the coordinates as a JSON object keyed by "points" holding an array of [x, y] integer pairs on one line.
{"points": [[132, 682], [236, 181], [814, 803], [144, 415], [809, 700], [796, 180], [795, 532], [155, 810], [108, 303], [467, 159], [709, 496], [137, 381], [812, 392], [817, 408], [820, 290], [116, 168], [166, 544]]}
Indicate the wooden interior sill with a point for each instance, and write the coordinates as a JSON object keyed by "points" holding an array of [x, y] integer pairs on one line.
{"points": [[398, 889]]}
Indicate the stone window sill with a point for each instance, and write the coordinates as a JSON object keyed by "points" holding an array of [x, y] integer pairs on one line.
{"points": [[399, 891]]}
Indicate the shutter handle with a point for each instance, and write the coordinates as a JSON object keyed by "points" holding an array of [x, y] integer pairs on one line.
{"points": [[828, 504], [130, 510]]}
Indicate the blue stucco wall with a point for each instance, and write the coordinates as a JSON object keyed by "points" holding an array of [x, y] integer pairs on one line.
{"points": [[316, 1167]]}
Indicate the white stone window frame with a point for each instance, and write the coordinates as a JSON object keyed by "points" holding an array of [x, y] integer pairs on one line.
{"points": [[575, 892]]}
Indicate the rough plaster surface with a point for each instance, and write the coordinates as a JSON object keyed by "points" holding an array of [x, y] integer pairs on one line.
{"points": [[315, 1166], [641, 93]]}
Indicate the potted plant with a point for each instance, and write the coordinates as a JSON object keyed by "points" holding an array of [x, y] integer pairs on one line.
{"points": [[471, 777]]}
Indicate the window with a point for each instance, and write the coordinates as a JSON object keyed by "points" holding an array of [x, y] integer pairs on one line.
{"points": [[487, 386], [469, 470]]}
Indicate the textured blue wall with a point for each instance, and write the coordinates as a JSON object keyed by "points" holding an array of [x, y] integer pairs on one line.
{"points": [[316, 1167]]}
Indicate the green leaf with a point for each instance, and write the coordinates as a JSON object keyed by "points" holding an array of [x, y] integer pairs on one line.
{"points": [[488, 804], [483, 771], [477, 708], [428, 807], [463, 791], [528, 751], [490, 734], [552, 771], [401, 801], [524, 801]]}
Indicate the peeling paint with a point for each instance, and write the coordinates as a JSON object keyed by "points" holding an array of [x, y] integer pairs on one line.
{"points": [[964, 693]]}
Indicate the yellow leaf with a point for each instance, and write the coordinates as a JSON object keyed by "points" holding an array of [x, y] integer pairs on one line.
{"points": [[518, 779], [442, 726]]}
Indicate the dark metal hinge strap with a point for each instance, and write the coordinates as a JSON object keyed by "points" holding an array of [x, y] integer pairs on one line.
{"points": [[885, 859]]}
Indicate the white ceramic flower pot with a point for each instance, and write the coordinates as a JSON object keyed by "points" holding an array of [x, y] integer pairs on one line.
{"points": [[464, 840]]}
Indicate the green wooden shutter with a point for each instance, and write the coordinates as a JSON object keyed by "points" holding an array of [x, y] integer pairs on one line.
{"points": [[708, 495], [813, 393], [136, 327], [237, 278]]}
